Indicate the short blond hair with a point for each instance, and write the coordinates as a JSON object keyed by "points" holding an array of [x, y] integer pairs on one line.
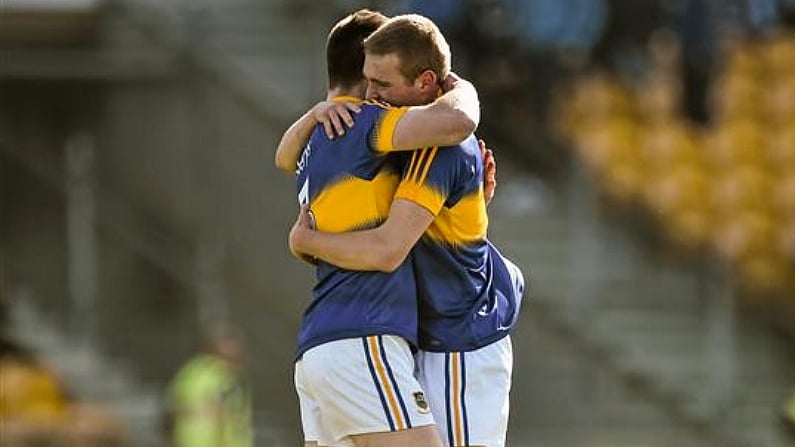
{"points": [[417, 42]]}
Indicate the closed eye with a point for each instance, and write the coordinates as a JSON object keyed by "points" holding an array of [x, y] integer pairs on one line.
{"points": [[380, 83]]}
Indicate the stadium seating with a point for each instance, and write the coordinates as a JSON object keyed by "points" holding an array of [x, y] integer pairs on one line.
{"points": [[728, 187]]}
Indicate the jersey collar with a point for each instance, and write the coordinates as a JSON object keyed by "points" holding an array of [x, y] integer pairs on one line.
{"points": [[345, 98]]}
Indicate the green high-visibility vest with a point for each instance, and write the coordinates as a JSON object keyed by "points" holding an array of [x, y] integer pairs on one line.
{"points": [[789, 409], [212, 407]]}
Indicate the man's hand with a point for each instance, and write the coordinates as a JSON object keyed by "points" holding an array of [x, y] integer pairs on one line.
{"points": [[332, 114], [301, 228], [489, 172], [449, 82]]}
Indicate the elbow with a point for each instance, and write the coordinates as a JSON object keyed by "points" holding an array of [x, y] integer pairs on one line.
{"points": [[465, 125], [388, 259], [283, 165], [468, 126]]}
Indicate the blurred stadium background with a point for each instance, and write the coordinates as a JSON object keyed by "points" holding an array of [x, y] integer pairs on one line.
{"points": [[646, 153]]}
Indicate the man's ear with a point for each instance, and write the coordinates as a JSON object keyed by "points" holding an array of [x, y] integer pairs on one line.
{"points": [[427, 79]]}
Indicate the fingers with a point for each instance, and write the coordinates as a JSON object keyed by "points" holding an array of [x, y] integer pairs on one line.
{"points": [[337, 123], [295, 239], [337, 116], [304, 219], [488, 160], [345, 114], [296, 231], [449, 82], [489, 163], [353, 107], [490, 166], [489, 171], [328, 128], [489, 187]]}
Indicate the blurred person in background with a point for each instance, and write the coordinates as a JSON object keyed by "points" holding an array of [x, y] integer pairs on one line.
{"points": [[209, 401], [788, 414], [469, 293], [33, 402], [354, 373], [35, 407]]}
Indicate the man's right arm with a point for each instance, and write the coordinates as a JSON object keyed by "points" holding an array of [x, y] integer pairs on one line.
{"points": [[445, 122], [383, 248]]}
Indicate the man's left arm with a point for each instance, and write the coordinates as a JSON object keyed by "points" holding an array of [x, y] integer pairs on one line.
{"points": [[333, 115], [382, 249]]}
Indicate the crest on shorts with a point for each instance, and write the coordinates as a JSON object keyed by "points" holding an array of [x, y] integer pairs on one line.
{"points": [[419, 400]]}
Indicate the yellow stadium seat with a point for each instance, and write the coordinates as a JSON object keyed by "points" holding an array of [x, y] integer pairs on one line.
{"points": [[624, 180], [745, 234], [659, 99], [743, 58], [742, 188], [735, 97], [780, 99], [605, 142], [683, 186], [669, 143], [785, 239], [600, 96], [30, 393], [690, 227], [781, 146], [779, 54], [764, 272], [737, 142], [784, 194]]}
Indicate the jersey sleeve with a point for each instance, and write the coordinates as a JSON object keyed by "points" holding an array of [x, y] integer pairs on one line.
{"points": [[430, 177], [383, 129]]}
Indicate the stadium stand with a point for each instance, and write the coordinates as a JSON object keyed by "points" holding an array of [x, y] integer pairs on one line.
{"points": [[726, 186]]}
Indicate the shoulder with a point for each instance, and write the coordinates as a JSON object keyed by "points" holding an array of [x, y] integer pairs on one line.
{"points": [[380, 108], [467, 150], [374, 103], [470, 145], [374, 112]]}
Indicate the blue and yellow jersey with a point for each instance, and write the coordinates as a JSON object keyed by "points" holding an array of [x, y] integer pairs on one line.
{"points": [[469, 296], [349, 183]]}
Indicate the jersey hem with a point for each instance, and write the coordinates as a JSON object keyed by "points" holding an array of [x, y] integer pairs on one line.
{"points": [[472, 346], [366, 332]]}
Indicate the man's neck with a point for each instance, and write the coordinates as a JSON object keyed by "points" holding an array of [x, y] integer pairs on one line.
{"points": [[355, 92]]}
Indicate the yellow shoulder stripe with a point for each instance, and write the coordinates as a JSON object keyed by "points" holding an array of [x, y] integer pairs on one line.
{"points": [[428, 161], [420, 164], [386, 129], [345, 98]]}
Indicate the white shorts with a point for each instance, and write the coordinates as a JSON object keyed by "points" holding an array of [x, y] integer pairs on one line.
{"points": [[468, 392], [359, 385]]}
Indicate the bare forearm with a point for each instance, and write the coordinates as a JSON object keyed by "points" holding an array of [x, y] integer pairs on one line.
{"points": [[383, 248], [461, 96], [445, 122], [359, 250], [293, 141]]}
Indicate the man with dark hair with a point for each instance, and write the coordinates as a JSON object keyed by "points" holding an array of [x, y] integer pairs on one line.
{"points": [[354, 373], [469, 293], [345, 47]]}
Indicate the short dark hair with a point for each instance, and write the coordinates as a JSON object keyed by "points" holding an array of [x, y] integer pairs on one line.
{"points": [[345, 47]]}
